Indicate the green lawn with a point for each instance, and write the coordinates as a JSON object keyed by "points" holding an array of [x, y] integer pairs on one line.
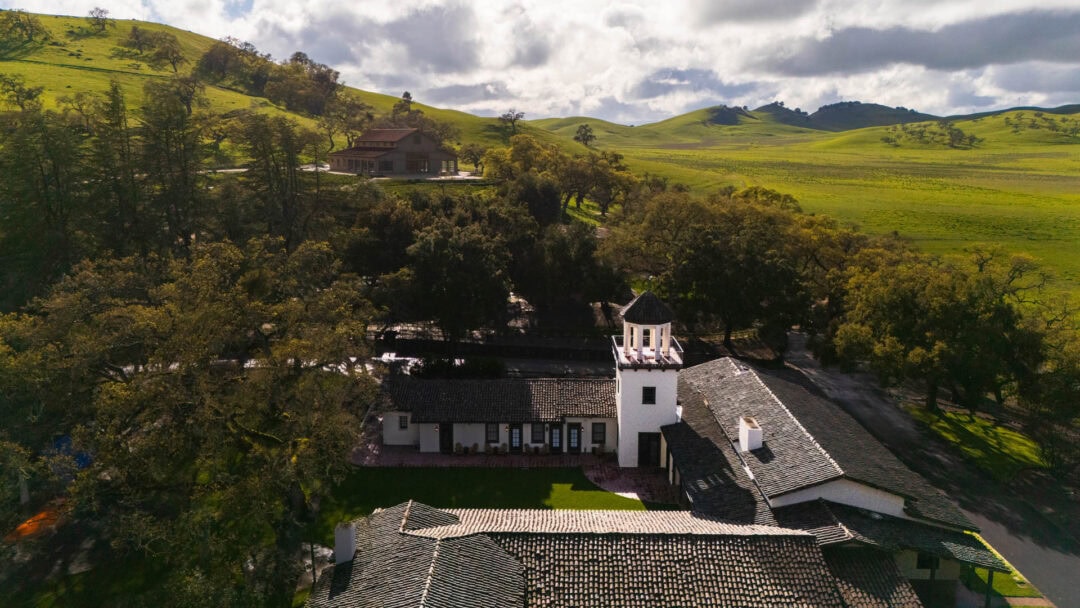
{"points": [[1005, 585], [999, 450], [368, 488]]}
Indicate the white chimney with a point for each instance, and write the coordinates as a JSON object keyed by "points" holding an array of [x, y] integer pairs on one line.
{"points": [[344, 542], [749, 434]]}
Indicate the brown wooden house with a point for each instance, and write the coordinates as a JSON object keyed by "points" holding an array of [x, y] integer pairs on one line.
{"points": [[395, 152]]}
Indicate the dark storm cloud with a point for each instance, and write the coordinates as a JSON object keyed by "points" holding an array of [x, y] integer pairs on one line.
{"points": [[1043, 78], [663, 82], [1037, 35], [466, 93], [712, 12]]}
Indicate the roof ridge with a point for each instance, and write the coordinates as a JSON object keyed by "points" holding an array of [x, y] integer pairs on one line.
{"points": [[836, 520], [795, 419], [431, 572], [405, 516]]}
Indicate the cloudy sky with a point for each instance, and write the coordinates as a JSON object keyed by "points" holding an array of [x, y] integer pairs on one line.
{"points": [[639, 61]]}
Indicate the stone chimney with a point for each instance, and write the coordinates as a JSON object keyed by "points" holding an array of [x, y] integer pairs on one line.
{"points": [[344, 542], [750, 434]]}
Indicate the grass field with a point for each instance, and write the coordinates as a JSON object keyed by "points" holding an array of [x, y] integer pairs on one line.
{"points": [[998, 450], [1019, 188], [366, 489]]}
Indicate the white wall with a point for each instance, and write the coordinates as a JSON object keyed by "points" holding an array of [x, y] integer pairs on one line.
{"points": [[611, 433], [636, 417], [908, 560], [526, 430], [393, 435], [847, 492], [468, 434], [429, 437]]}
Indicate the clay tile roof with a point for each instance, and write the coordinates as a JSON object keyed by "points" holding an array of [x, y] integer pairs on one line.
{"points": [[790, 458], [538, 521], [870, 579], [397, 570], [710, 472], [564, 571], [835, 523], [383, 135], [808, 440], [647, 309], [509, 400], [555, 559]]}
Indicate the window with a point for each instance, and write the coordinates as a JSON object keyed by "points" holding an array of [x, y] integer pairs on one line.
{"points": [[386, 165], [599, 433], [537, 433], [402, 422], [927, 562], [491, 432], [648, 395]]}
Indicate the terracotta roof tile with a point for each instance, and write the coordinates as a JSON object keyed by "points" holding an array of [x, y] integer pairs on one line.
{"points": [[834, 523], [552, 559], [870, 579], [634, 570], [807, 440], [504, 400], [538, 521], [711, 473]]}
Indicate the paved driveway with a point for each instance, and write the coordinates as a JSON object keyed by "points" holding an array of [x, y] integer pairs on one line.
{"points": [[1047, 555]]}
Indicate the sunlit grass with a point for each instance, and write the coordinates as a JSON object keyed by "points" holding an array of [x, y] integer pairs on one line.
{"points": [[996, 449], [368, 488]]}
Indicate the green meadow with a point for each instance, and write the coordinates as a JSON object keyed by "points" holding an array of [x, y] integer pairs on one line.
{"points": [[1018, 188]]}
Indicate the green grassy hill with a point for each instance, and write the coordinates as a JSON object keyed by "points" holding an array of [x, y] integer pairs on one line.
{"points": [[1017, 186], [76, 58]]}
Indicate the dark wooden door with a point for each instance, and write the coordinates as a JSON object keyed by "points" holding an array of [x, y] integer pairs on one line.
{"points": [[446, 437], [648, 450], [555, 439], [573, 438], [515, 438]]}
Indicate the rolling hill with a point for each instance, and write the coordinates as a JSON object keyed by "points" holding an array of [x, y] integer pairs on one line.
{"points": [[1014, 180]]}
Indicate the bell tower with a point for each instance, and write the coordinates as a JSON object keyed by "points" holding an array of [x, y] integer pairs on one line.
{"points": [[647, 363]]}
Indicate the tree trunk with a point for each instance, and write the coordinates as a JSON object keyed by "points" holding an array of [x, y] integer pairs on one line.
{"points": [[727, 337], [931, 396]]}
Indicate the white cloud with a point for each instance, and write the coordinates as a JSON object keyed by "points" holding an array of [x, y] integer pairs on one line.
{"points": [[634, 60]]}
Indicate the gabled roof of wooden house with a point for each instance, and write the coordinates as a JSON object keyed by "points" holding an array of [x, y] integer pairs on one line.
{"points": [[384, 135]]}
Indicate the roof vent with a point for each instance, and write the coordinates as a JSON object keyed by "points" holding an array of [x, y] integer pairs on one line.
{"points": [[344, 542], [750, 434]]}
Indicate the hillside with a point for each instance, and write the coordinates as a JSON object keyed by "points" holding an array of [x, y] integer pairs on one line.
{"points": [[75, 58], [1008, 177]]}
